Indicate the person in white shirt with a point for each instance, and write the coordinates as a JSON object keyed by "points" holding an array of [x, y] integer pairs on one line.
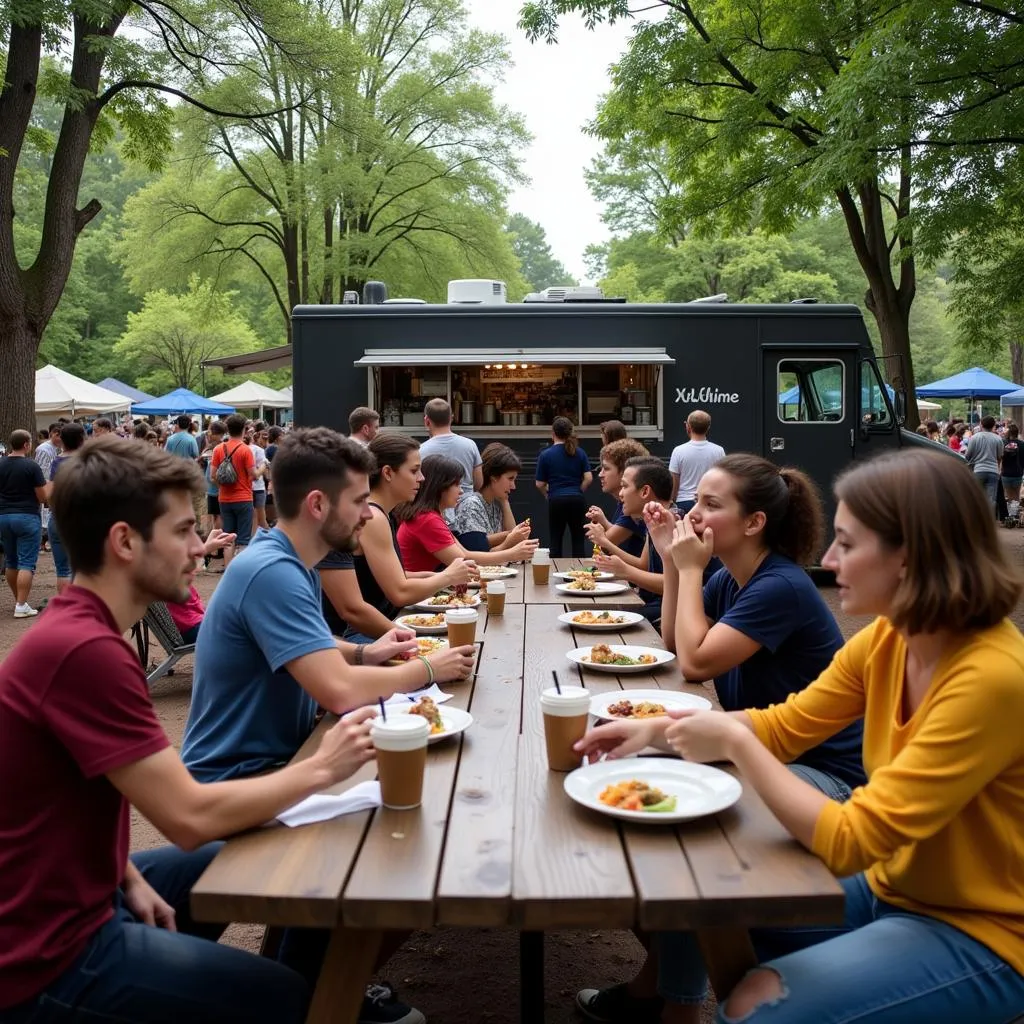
{"points": [[437, 418], [692, 459]]}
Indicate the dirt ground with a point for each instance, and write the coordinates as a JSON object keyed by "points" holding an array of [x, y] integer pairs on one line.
{"points": [[454, 976]]}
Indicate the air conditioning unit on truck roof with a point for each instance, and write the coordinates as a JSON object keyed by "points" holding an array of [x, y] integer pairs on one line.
{"points": [[478, 292]]}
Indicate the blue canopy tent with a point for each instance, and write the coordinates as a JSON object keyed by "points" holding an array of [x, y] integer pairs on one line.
{"points": [[792, 396], [178, 401], [119, 386], [1013, 398], [973, 383]]}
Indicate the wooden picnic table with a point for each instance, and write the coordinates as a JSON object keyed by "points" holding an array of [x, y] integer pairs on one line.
{"points": [[497, 842]]}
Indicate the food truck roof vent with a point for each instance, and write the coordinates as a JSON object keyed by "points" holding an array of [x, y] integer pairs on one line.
{"points": [[563, 293], [374, 293], [720, 297], [478, 292], [404, 302]]}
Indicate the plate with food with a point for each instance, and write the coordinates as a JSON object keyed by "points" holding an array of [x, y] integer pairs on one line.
{"points": [[424, 645], [653, 790], [447, 599], [644, 703], [423, 624], [620, 658], [599, 621], [497, 572], [588, 573], [443, 721], [589, 587]]}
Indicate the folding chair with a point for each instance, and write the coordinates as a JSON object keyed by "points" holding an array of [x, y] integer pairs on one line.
{"points": [[159, 622]]}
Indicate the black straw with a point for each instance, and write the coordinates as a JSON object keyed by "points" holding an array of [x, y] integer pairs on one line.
{"points": [[558, 687], [383, 710]]}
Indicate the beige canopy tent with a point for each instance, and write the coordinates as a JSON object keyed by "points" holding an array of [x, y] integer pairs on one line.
{"points": [[250, 394], [924, 406], [59, 393]]}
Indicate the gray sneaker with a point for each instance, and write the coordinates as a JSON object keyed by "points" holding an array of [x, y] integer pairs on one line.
{"points": [[615, 1005]]}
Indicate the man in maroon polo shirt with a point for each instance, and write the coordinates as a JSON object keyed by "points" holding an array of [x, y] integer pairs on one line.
{"points": [[88, 933]]}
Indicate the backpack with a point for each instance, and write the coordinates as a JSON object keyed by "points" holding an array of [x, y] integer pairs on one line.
{"points": [[226, 474]]}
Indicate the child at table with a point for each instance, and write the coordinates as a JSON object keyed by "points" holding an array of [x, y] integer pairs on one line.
{"points": [[761, 630], [928, 852]]}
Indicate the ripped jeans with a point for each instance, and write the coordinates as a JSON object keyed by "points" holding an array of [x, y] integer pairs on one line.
{"points": [[883, 965]]}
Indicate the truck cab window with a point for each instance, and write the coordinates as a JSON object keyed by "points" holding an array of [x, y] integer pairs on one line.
{"points": [[811, 391], [875, 409]]}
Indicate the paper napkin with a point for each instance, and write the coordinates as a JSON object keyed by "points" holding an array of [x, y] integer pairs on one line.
{"points": [[323, 806], [436, 695]]}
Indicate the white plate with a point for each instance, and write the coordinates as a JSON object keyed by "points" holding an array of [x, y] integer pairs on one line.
{"points": [[699, 789], [455, 721], [661, 658], [474, 601], [603, 589], [421, 630], [596, 575], [671, 699], [436, 643], [628, 619], [496, 572]]}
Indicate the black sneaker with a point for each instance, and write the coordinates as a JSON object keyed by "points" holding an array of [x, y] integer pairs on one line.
{"points": [[381, 1006], [615, 1005]]}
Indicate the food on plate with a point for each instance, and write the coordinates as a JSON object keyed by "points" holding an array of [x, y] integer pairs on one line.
{"points": [[586, 582], [641, 709], [431, 712], [454, 600], [582, 574], [492, 572], [598, 619], [422, 621], [424, 645], [636, 795], [602, 654]]}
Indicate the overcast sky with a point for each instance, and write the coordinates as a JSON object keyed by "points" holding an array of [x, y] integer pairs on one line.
{"points": [[556, 89]]}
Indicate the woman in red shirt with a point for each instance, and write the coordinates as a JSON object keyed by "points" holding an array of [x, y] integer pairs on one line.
{"points": [[424, 537]]}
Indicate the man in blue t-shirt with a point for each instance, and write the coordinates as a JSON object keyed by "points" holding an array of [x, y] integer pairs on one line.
{"points": [[181, 442]]}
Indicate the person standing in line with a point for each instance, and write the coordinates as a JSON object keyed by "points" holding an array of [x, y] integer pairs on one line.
{"points": [[985, 456], [214, 436], [613, 430], [437, 418], [184, 445], [259, 483], [72, 437], [234, 485], [45, 453], [22, 488], [563, 474], [1012, 468], [363, 424], [692, 459]]}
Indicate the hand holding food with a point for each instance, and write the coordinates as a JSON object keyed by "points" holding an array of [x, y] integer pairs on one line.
{"points": [[688, 550], [595, 534], [523, 551], [346, 745], [620, 739], [596, 515], [610, 563], [393, 644], [661, 526], [452, 663], [521, 531], [460, 572], [704, 735], [217, 539]]}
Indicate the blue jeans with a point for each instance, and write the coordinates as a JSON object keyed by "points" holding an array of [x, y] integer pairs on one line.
{"points": [[134, 972], [61, 562], [990, 482], [20, 535], [236, 517]]}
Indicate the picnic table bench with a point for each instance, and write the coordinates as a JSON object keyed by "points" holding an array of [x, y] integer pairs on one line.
{"points": [[497, 842]]}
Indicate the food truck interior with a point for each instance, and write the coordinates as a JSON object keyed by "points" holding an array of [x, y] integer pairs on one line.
{"points": [[796, 383]]}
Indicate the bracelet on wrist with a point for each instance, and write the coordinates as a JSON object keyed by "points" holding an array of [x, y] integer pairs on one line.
{"points": [[360, 654], [430, 668]]}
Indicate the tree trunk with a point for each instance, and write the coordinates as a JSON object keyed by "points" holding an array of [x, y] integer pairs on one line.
{"points": [[1016, 412], [19, 344]]}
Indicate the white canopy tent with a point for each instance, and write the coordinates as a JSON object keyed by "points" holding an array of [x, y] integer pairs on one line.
{"points": [[252, 395], [926, 406], [61, 393]]}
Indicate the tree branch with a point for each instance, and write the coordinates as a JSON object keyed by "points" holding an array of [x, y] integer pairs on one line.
{"points": [[132, 83]]}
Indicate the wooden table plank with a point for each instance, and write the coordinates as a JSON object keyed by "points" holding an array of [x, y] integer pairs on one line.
{"points": [[393, 882], [475, 884], [285, 876], [569, 868]]}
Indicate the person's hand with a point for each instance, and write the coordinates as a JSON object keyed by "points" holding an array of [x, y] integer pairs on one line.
{"points": [[147, 904], [523, 551], [704, 735], [460, 572], [346, 745], [595, 533], [217, 539], [596, 515], [688, 551], [611, 563], [661, 527], [452, 663], [395, 643], [618, 739], [521, 531]]}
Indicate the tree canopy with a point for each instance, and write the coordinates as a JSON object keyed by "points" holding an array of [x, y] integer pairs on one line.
{"points": [[537, 263]]}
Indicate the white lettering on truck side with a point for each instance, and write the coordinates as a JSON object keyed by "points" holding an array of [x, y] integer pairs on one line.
{"points": [[706, 396]]}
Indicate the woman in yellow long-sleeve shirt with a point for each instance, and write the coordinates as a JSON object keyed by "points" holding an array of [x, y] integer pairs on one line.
{"points": [[930, 852]]}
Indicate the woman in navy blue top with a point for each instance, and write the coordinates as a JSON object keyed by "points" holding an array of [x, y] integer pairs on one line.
{"points": [[761, 630], [563, 474]]}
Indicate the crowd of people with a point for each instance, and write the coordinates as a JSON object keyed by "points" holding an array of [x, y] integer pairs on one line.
{"points": [[877, 754]]}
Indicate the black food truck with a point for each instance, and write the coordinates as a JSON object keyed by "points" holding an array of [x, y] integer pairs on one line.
{"points": [[797, 383]]}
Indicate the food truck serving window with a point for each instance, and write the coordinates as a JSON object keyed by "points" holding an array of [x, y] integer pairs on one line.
{"points": [[519, 387], [811, 390]]}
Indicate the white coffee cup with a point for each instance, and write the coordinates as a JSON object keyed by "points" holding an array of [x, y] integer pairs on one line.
{"points": [[573, 700], [542, 556], [566, 715], [495, 587], [495, 597]]}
